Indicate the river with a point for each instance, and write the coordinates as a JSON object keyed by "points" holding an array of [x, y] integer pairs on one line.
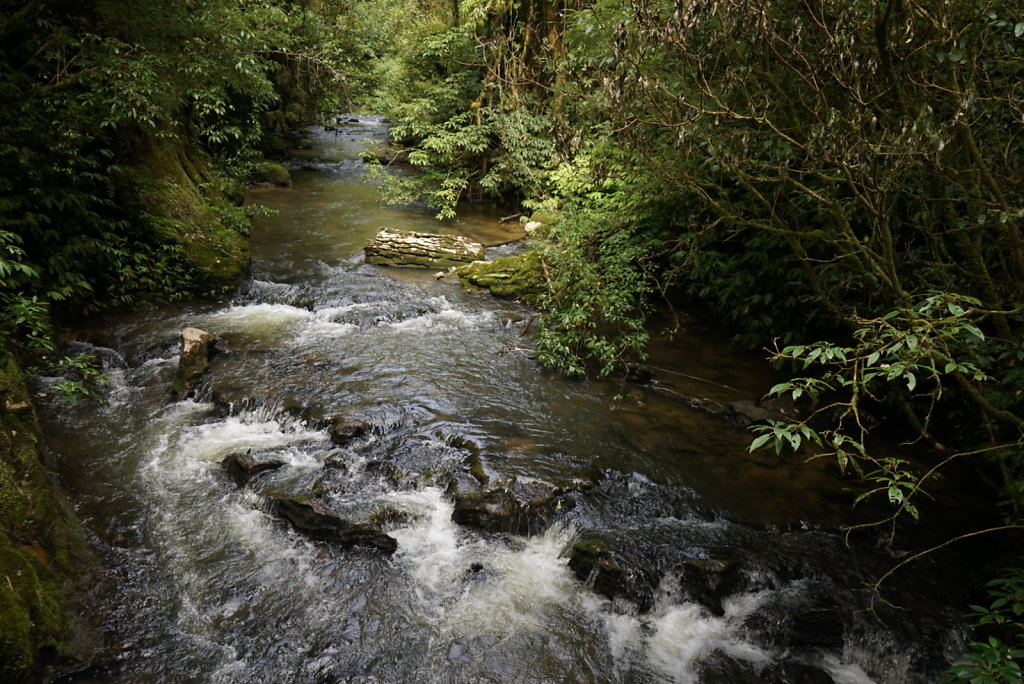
{"points": [[712, 568]]}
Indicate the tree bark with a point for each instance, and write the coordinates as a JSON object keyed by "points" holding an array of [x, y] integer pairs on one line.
{"points": [[406, 248]]}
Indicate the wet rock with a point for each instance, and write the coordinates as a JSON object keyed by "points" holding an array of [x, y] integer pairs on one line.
{"points": [[196, 347], [229, 402], [407, 248], [798, 673], [389, 517], [811, 620], [709, 581], [746, 412], [478, 572], [241, 468], [385, 469], [311, 518], [749, 412], [445, 275], [518, 508], [492, 510], [342, 430], [596, 565], [336, 462], [817, 627], [719, 668], [709, 406]]}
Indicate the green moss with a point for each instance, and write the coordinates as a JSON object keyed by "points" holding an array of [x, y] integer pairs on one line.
{"points": [[476, 469], [546, 216], [515, 276], [272, 174], [181, 196], [42, 552]]}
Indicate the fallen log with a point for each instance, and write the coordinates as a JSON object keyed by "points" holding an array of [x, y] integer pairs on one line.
{"points": [[407, 248]]}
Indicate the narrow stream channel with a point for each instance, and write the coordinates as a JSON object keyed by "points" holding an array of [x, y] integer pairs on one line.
{"points": [[721, 569]]}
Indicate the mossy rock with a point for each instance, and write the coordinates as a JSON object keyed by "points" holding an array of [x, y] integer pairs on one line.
{"points": [[546, 216], [182, 198], [518, 276], [43, 556], [271, 173]]}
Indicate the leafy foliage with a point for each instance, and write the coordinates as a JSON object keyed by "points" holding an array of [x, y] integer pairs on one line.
{"points": [[82, 377], [837, 181], [998, 658], [89, 93]]}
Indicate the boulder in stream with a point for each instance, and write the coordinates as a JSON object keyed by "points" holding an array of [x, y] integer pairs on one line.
{"points": [[709, 581], [720, 668], [342, 430], [517, 507], [596, 565], [196, 347], [241, 468], [519, 276], [271, 174], [392, 247], [313, 519], [809, 621]]}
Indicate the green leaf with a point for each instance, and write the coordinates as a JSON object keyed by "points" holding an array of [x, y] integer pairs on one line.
{"points": [[911, 381], [873, 358]]}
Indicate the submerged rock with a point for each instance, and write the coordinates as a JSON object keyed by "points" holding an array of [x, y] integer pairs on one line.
{"points": [[311, 518], [746, 412], [342, 430], [196, 347], [229, 401], [408, 248], [241, 468]]}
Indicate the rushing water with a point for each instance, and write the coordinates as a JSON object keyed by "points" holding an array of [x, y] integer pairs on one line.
{"points": [[212, 586]]}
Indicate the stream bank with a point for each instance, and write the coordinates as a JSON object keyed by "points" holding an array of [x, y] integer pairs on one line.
{"points": [[47, 573]]}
